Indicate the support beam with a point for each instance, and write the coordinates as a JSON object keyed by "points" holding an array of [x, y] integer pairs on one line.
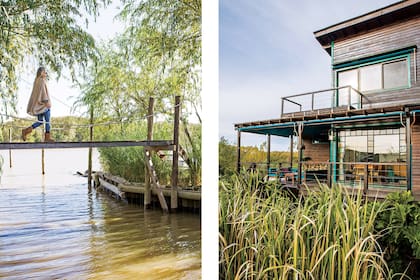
{"points": [[175, 157], [238, 153], [163, 144], [408, 144], [147, 190], [155, 182], [300, 151], [291, 150], [268, 151]]}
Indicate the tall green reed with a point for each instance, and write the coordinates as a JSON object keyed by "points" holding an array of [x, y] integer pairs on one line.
{"points": [[266, 234]]}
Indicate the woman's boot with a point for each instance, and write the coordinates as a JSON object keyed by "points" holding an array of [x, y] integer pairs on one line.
{"points": [[47, 137], [25, 132]]}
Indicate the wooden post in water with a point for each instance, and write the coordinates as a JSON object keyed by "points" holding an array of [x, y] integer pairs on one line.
{"points": [[90, 148], [10, 150], [147, 188], [43, 161], [174, 179]]}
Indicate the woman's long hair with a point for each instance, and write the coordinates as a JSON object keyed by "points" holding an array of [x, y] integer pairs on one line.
{"points": [[39, 71]]}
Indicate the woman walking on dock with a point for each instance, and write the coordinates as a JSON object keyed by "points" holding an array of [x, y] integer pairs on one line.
{"points": [[39, 105]]}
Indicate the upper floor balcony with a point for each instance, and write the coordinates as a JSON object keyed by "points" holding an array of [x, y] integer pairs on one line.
{"points": [[345, 98]]}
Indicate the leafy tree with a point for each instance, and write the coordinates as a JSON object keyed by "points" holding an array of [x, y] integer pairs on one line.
{"points": [[227, 158], [47, 30], [168, 34], [159, 56]]}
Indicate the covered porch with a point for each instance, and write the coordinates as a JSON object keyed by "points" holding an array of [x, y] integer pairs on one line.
{"points": [[358, 148]]}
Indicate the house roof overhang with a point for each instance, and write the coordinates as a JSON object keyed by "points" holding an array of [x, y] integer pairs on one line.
{"points": [[393, 13], [317, 124]]}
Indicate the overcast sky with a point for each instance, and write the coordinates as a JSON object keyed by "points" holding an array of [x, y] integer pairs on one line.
{"points": [[267, 50]]}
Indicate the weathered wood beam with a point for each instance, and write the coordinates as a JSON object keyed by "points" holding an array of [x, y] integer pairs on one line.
{"points": [[93, 144]]}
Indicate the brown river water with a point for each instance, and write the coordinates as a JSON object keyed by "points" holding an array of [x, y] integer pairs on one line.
{"points": [[54, 227]]}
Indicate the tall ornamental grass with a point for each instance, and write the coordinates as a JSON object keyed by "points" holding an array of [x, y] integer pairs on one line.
{"points": [[264, 233]]}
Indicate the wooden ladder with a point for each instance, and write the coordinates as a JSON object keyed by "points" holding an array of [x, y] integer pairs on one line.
{"points": [[155, 182]]}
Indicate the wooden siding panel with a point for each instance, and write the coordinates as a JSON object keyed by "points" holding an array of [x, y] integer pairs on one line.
{"points": [[317, 152], [383, 40], [377, 41], [415, 169]]}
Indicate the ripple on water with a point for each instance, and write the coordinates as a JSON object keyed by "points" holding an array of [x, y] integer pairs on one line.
{"points": [[66, 232]]}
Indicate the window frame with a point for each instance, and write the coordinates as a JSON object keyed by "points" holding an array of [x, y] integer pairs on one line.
{"points": [[380, 61]]}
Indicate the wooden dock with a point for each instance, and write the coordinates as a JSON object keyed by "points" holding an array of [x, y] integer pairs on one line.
{"points": [[188, 198]]}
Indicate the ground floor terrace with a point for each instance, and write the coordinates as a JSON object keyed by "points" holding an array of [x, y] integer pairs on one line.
{"points": [[373, 149]]}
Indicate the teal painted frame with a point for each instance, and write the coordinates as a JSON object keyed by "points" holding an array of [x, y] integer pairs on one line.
{"points": [[401, 54]]}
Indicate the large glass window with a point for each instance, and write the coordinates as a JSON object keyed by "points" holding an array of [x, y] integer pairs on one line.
{"points": [[376, 76], [370, 77], [395, 74], [381, 145]]}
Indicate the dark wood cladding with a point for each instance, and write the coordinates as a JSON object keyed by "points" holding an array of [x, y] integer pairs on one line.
{"points": [[317, 152], [384, 40], [415, 138], [377, 41]]}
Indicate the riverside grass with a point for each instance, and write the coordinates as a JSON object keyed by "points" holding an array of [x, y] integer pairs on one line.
{"points": [[266, 234]]}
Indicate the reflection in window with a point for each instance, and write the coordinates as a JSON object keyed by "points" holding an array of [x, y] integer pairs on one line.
{"points": [[370, 77], [346, 78], [385, 146], [395, 74], [355, 148], [378, 76]]}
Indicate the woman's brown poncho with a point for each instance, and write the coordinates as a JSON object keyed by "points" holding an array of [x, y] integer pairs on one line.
{"points": [[39, 100]]}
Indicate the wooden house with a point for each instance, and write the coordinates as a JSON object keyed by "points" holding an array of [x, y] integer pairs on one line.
{"points": [[364, 132]]}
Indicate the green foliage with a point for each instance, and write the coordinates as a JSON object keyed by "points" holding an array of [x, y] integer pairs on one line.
{"points": [[191, 144], [47, 31], [264, 234], [249, 155], [129, 162], [164, 40], [227, 158], [159, 56], [400, 224], [63, 129]]}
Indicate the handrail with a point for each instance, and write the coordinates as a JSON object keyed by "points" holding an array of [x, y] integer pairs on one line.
{"points": [[334, 98]]}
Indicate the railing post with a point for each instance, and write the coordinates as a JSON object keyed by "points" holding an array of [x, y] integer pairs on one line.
{"points": [[147, 187], [174, 191], [349, 98], [282, 107], [313, 100]]}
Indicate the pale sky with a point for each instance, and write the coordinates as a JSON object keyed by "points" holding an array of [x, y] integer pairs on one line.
{"points": [[267, 50], [63, 94]]}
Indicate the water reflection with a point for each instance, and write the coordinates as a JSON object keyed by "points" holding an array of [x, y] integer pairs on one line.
{"points": [[65, 230]]}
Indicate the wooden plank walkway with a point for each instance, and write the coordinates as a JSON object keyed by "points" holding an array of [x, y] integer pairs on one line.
{"points": [[155, 144]]}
